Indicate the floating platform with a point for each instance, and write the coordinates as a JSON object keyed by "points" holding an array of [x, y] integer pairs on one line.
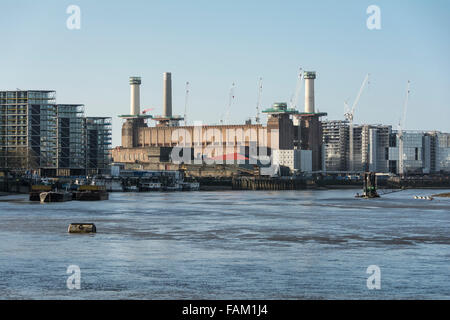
{"points": [[82, 228]]}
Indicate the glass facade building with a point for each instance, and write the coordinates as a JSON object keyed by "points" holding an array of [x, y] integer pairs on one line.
{"points": [[36, 134]]}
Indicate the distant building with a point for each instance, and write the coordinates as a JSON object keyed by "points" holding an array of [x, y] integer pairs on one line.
{"points": [[295, 159], [51, 139], [442, 147], [336, 144], [413, 153], [97, 132], [437, 152], [370, 147]]}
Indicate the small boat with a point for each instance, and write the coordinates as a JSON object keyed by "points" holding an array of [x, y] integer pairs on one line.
{"points": [[130, 188], [173, 187], [190, 186], [55, 196], [429, 198], [150, 186]]}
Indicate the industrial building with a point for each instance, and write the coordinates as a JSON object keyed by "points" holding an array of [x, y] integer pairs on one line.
{"points": [[50, 139], [286, 129]]}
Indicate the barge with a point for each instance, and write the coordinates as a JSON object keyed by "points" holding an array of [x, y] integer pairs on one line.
{"points": [[91, 193]]}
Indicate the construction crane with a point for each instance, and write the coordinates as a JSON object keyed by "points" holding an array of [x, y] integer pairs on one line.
{"points": [[401, 126], [230, 102], [298, 87], [258, 101], [349, 115], [186, 102]]}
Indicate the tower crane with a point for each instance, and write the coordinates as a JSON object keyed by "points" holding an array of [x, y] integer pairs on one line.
{"points": [[401, 126], [258, 101], [186, 102], [349, 115], [230, 102], [298, 87]]}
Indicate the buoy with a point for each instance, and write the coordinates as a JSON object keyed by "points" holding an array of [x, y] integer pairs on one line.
{"points": [[82, 228]]}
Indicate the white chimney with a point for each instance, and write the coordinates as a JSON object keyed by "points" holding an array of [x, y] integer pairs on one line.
{"points": [[135, 101], [309, 77]]}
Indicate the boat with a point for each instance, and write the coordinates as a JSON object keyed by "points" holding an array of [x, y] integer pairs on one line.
{"points": [[55, 196], [150, 186], [91, 193], [190, 186], [369, 187], [36, 190], [429, 198], [130, 188], [173, 187]]}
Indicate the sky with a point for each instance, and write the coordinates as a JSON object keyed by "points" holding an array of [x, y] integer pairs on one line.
{"points": [[213, 44]]}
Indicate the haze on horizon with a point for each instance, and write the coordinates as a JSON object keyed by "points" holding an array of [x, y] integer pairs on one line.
{"points": [[212, 44]]}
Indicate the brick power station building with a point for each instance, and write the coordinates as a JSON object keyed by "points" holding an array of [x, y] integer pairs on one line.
{"points": [[288, 131]]}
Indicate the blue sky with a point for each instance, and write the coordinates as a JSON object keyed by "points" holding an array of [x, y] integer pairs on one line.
{"points": [[212, 44]]}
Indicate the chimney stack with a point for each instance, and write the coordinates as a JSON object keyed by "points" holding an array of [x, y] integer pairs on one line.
{"points": [[135, 101], [167, 95], [309, 77]]}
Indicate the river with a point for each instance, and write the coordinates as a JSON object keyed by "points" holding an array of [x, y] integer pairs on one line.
{"points": [[228, 245]]}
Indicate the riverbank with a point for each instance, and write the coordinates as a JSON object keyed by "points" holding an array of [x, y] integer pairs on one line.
{"points": [[442, 195]]}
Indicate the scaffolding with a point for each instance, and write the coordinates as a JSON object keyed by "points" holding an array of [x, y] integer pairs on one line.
{"points": [[51, 139]]}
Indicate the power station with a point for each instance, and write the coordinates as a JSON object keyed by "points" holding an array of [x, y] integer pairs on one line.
{"points": [[294, 139], [287, 129]]}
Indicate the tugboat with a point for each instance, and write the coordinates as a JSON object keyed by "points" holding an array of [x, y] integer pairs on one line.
{"points": [[369, 187]]}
